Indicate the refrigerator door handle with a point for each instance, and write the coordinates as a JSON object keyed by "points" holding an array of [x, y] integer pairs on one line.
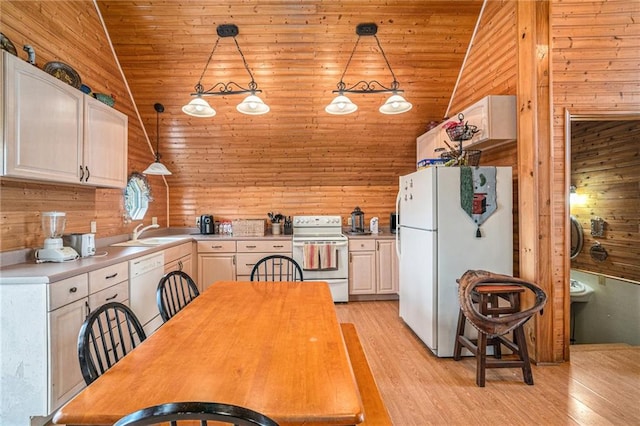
{"points": [[398, 225]]}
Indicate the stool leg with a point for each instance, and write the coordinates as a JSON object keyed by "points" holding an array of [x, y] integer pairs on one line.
{"points": [[495, 304], [481, 357], [518, 337], [457, 347]]}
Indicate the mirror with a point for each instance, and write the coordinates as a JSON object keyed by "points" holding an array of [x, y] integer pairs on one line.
{"points": [[137, 195], [577, 238]]}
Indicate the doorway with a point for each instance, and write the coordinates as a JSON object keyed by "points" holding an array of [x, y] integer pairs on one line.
{"points": [[603, 177]]}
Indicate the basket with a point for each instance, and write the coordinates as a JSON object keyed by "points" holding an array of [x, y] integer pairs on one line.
{"points": [[248, 227], [462, 132], [468, 157]]}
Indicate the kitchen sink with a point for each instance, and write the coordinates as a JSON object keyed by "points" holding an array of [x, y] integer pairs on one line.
{"points": [[150, 242]]}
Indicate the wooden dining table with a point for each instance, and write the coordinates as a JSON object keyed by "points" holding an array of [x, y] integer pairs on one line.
{"points": [[273, 347]]}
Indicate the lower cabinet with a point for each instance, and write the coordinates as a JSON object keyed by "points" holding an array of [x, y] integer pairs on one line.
{"points": [[65, 321], [251, 251], [216, 262], [179, 258], [373, 267]]}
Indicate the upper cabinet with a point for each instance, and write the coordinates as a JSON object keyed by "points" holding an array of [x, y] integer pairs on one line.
{"points": [[494, 117], [54, 132]]}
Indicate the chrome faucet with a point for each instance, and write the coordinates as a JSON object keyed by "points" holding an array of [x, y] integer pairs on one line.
{"points": [[136, 233]]}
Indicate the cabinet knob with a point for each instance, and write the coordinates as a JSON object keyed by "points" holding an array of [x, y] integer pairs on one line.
{"points": [[73, 289]]}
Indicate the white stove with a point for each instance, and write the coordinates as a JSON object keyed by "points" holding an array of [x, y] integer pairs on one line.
{"points": [[322, 252]]}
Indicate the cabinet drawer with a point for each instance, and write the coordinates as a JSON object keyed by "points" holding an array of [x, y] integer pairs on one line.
{"points": [[216, 246], [246, 262], [260, 246], [105, 277], [67, 291], [362, 245], [176, 252], [116, 293]]}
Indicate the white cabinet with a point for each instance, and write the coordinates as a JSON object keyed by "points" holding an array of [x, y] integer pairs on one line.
{"points": [[388, 274], [109, 284], [362, 266], [427, 143], [216, 262], [54, 132], [105, 145], [251, 251], [65, 320], [495, 118], [179, 258], [373, 267]]}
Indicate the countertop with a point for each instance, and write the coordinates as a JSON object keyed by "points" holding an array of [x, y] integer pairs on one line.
{"points": [[107, 255]]}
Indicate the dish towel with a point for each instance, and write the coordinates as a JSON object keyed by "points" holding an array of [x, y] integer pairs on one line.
{"points": [[328, 256], [310, 256]]}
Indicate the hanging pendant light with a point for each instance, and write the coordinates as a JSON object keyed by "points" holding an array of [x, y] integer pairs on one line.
{"points": [[396, 104], [157, 168], [251, 105]]}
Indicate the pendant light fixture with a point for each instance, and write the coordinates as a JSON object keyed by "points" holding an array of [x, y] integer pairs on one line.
{"points": [[396, 104], [252, 104], [157, 168]]}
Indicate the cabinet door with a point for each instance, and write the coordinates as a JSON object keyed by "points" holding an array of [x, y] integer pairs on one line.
{"points": [[183, 264], [65, 376], [215, 267], [43, 124], [387, 270], [105, 145], [362, 272]]}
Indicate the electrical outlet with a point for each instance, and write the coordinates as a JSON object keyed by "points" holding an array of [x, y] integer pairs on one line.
{"points": [[349, 221], [94, 227], [154, 220]]}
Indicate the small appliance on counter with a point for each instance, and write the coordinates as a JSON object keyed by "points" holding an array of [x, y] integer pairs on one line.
{"points": [[393, 222], [373, 225], [53, 251], [206, 224], [83, 244]]}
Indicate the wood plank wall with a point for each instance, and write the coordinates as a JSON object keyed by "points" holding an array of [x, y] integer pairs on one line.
{"points": [[605, 168], [491, 69], [595, 59], [72, 33]]}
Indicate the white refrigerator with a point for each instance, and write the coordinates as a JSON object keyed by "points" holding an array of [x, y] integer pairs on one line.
{"points": [[438, 241]]}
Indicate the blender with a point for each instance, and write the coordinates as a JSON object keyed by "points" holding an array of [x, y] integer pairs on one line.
{"points": [[53, 251]]}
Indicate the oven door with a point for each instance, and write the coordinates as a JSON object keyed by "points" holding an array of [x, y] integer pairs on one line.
{"points": [[339, 265]]}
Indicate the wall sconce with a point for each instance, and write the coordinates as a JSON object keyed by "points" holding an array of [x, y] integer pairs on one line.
{"points": [[575, 198], [252, 104], [341, 105]]}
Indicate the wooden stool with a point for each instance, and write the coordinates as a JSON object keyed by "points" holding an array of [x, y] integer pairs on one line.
{"points": [[488, 297]]}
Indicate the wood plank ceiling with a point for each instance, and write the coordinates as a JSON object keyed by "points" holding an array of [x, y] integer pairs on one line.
{"points": [[297, 51]]}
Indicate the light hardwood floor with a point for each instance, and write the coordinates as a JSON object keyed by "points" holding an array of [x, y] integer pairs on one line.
{"points": [[600, 386]]}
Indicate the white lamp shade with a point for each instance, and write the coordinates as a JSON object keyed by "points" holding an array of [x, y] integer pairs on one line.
{"points": [[396, 104], [341, 105], [253, 105], [157, 168], [198, 107]]}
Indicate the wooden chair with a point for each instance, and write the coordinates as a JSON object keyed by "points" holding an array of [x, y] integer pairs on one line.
{"points": [[480, 294], [174, 412], [276, 267], [108, 334], [175, 291]]}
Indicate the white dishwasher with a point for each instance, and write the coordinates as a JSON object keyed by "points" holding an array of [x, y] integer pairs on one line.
{"points": [[144, 275]]}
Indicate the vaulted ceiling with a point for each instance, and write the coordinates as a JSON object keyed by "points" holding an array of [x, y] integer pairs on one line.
{"points": [[297, 51]]}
